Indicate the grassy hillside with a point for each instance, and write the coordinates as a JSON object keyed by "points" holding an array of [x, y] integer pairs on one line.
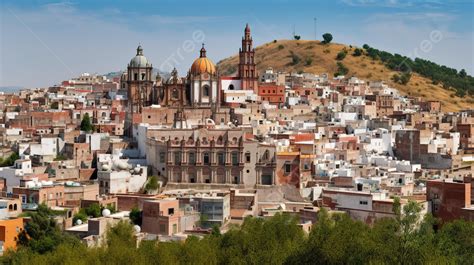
{"points": [[314, 57]]}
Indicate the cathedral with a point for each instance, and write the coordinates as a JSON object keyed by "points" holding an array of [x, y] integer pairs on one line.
{"points": [[185, 102]]}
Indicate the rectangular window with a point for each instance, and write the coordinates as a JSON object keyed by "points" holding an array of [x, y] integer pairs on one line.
{"points": [[287, 168], [206, 159], [247, 157], [177, 158], [162, 157], [235, 159], [192, 158], [170, 211], [363, 202], [221, 158]]}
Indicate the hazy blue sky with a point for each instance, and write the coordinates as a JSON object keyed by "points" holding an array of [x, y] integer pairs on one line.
{"points": [[44, 42]]}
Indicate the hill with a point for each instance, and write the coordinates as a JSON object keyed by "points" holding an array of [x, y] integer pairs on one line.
{"points": [[314, 57]]}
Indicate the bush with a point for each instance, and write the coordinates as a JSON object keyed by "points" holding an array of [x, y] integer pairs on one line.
{"points": [[341, 69], [152, 184], [295, 59], [405, 78], [136, 216], [60, 157], [10, 160], [281, 47], [79, 216], [341, 55], [357, 52], [93, 210], [308, 61]]}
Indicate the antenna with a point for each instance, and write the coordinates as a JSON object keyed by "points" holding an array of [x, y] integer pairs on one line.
{"points": [[315, 29], [294, 31]]}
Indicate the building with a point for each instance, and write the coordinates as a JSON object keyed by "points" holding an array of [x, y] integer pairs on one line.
{"points": [[161, 217], [274, 94], [139, 85], [121, 178], [450, 200], [201, 156], [41, 193], [9, 230]]}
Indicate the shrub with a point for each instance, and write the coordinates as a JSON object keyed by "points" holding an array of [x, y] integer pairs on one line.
{"points": [[357, 52], [341, 55]]}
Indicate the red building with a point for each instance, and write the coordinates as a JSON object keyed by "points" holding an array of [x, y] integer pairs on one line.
{"points": [[272, 93], [450, 200]]}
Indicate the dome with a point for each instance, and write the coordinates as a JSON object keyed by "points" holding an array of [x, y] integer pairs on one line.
{"points": [[203, 64], [139, 60]]}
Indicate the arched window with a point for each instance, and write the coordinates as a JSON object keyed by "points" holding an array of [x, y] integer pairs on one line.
{"points": [[15, 207], [205, 91], [231, 87], [104, 114]]}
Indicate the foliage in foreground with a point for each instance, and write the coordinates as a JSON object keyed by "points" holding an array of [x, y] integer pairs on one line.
{"points": [[336, 239]]}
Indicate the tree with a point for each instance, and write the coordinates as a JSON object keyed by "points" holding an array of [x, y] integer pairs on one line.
{"points": [[10, 160], [357, 52], [341, 69], [405, 78], [41, 233], [152, 184], [136, 216], [327, 38], [396, 78], [93, 210], [462, 73], [297, 37], [86, 124], [295, 59]]}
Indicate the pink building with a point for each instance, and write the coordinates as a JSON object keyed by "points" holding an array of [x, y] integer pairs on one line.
{"points": [[161, 217]]}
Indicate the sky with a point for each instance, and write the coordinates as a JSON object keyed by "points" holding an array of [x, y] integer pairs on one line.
{"points": [[45, 42]]}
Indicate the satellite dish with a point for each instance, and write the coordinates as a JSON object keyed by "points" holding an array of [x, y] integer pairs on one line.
{"points": [[137, 229], [106, 213], [78, 222]]}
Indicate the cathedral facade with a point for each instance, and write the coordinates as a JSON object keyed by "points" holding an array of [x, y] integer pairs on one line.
{"points": [[195, 98]]}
